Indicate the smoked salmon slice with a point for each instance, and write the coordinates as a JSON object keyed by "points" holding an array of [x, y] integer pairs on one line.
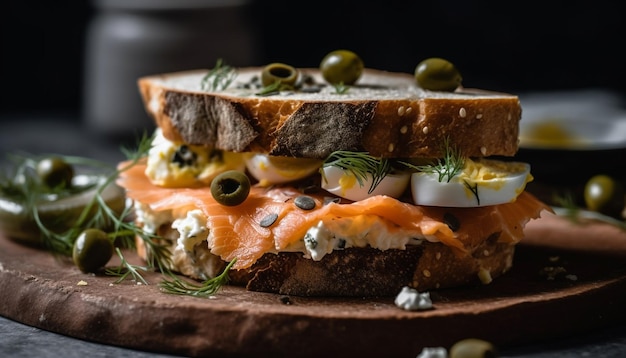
{"points": [[236, 232]]}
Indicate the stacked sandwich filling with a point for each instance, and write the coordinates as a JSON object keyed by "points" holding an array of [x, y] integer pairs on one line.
{"points": [[270, 220], [390, 167]]}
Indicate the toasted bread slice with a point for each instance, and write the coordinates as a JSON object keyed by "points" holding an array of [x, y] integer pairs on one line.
{"points": [[384, 113]]}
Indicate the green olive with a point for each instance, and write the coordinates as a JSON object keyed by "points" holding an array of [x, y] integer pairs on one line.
{"points": [[230, 188], [605, 195], [473, 348], [279, 72], [55, 172], [341, 66], [92, 250], [437, 74]]}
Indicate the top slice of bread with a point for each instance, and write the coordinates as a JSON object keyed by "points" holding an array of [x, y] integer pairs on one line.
{"points": [[385, 114]]}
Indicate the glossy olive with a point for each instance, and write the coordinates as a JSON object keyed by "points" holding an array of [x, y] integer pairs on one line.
{"points": [[279, 72], [92, 250], [605, 195], [230, 188], [437, 74], [55, 172], [342, 66], [472, 348]]}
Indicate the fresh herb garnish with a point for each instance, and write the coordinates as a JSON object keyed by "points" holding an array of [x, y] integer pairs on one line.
{"points": [[473, 189], [275, 88], [447, 167], [219, 77], [359, 164], [125, 269], [341, 88], [207, 288], [269, 90]]}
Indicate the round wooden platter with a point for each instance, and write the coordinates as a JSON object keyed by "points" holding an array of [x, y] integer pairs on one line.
{"points": [[560, 284]]}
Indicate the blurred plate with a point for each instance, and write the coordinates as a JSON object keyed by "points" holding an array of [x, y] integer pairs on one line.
{"points": [[569, 136], [577, 120]]}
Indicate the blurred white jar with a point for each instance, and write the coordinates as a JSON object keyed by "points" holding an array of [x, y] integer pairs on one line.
{"points": [[127, 39]]}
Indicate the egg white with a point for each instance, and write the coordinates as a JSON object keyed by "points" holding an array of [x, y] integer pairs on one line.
{"points": [[343, 183], [481, 183]]}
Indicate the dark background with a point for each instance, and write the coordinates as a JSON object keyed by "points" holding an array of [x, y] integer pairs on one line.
{"points": [[500, 45]]}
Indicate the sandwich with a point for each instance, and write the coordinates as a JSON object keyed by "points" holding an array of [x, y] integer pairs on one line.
{"points": [[301, 184]]}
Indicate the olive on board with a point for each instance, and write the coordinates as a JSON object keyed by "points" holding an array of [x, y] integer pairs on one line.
{"points": [[92, 250]]}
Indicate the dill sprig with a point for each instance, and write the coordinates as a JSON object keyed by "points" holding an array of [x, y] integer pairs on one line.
{"points": [[473, 189], [341, 88], [270, 90], [126, 269], [360, 164], [568, 204], [178, 286], [275, 88], [447, 167], [219, 77], [134, 155]]}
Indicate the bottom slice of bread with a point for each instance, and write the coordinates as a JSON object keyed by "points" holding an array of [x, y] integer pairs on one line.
{"points": [[352, 272]]}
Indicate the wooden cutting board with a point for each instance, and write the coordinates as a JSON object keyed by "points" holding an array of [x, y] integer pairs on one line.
{"points": [[565, 279]]}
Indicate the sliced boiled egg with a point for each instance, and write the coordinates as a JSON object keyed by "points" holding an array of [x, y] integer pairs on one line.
{"points": [[345, 184], [270, 170], [481, 183]]}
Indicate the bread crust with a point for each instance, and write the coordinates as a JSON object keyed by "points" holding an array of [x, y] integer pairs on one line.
{"points": [[356, 272], [385, 114]]}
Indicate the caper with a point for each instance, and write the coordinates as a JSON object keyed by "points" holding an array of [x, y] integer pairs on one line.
{"points": [[341, 66], [279, 72], [605, 195], [55, 172], [437, 74], [473, 348], [230, 188], [92, 250]]}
